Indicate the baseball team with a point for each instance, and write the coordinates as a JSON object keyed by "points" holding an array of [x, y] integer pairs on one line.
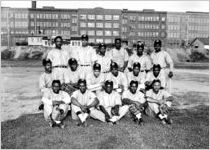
{"points": [[105, 84]]}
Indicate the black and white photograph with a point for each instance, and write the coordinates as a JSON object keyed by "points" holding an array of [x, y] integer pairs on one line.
{"points": [[104, 74]]}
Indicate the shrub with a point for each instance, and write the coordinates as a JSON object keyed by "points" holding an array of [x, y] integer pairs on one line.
{"points": [[198, 57]]}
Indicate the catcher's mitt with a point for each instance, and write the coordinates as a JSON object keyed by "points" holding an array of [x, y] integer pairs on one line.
{"points": [[115, 111], [134, 110], [67, 88], [164, 109]]}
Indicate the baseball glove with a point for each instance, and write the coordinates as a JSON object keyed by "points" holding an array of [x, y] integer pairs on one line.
{"points": [[115, 111], [67, 88], [134, 110], [164, 109]]}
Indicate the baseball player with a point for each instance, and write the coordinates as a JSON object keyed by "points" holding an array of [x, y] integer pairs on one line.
{"points": [[45, 80], [159, 102], [119, 79], [56, 104], [59, 58], [71, 76], [86, 57], [103, 59], [162, 58], [156, 73], [119, 55], [135, 100], [95, 79], [84, 104], [137, 75], [110, 104], [140, 57]]}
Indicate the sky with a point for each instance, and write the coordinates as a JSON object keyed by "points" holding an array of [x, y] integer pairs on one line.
{"points": [[174, 6]]}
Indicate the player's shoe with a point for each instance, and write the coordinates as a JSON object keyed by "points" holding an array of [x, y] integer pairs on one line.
{"points": [[169, 121], [61, 125], [140, 122]]}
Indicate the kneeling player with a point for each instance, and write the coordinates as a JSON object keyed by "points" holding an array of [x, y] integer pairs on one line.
{"points": [[56, 104], [135, 100], [159, 102]]}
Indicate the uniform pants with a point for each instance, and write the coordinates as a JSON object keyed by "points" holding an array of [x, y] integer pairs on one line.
{"points": [[58, 74], [56, 116], [94, 113]]}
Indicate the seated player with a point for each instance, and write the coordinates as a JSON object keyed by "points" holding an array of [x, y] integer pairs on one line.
{"points": [[138, 76], [110, 104], [84, 104], [71, 77], [56, 104], [95, 79], [156, 73], [159, 102], [45, 80], [119, 79], [135, 100]]}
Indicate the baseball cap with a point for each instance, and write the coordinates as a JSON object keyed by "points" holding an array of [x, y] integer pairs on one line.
{"points": [[136, 64], [157, 42], [102, 45], [84, 37], [81, 81], [117, 40], [109, 82], [140, 44], [96, 66], [113, 65], [72, 61]]}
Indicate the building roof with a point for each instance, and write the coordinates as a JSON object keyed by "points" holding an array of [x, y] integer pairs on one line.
{"points": [[205, 41]]}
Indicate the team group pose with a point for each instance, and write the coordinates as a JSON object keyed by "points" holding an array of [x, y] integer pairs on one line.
{"points": [[105, 84]]}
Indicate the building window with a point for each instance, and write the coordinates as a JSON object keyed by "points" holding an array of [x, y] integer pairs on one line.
{"points": [[32, 15], [108, 25], [163, 19], [91, 40], [99, 17], [116, 17], [99, 40], [124, 21], [108, 17], [141, 18], [132, 18], [32, 23], [99, 25], [108, 33], [163, 26], [83, 32], [99, 33], [91, 24], [83, 24], [92, 32], [91, 17], [83, 17], [124, 29], [108, 40], [115, 25], [74, 28], [115, 33]]}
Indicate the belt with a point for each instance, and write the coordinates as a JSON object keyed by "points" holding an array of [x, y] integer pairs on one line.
{"points": [[106, 72], [60, 66], [84, 65]]}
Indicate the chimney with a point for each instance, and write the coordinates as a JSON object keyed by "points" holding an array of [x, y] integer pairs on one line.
{"points": [[33, 4]]}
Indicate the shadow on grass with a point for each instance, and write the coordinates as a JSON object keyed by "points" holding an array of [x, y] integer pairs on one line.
{"points": [[190, 130]]}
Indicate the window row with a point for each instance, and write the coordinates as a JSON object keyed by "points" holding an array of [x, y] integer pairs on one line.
{"points": [[97, 40], [144, 34], [173, 27], [21, 24], [173, 35], [199, 28], [99, 17], [99, 25], [146, 18], [100, 33]]}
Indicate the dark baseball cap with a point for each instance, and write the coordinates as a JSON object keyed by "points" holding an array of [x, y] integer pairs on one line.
{"points": [[72, 61], [114, 65], [102, 45], [84, 37], [157, 42], [96, 66], [136, 64], [140, 44], [109, 82]]}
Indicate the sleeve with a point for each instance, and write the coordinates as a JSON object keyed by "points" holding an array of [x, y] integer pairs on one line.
{"points": [[100, 98], [143, 77], [166, 94], [149, 93], [125, 94], [148, 76], [117, 99], [88, 79], [66, 97], [126, 57], [75, 94], [46, 98], [66, 77], [93, 55], [142, 98], [49, 56], [124, 81], [163, 79], [130, 61], [169, 61], [148, 63]]}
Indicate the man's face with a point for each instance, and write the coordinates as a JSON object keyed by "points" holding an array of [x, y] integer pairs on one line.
{"points": [[56, 87], [156, 71], [58, 43], [84, 42], [140, 51], [156, 87], [108, 88], [82, 87], [118, 44], [136, 71], [133, 88], [157, 47], [74, 67], [96, 73], [114, 71], [103, 50], [48, 67]]}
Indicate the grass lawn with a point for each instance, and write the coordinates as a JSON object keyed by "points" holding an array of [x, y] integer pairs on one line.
{"points": [[189, 130]]}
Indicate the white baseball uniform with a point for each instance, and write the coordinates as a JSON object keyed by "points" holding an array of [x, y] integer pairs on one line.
{"points": [[45, 82], [86, 58], [95, 83], [140, 78], [58, 58], [85, 99], [71, 76], [48, 99], [105, 62], [150, 77], [120, 79], [118, 56], [110, 100]]}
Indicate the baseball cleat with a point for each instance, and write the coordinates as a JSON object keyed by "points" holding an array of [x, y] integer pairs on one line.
{"points": [[169, 121], [140, 122]]}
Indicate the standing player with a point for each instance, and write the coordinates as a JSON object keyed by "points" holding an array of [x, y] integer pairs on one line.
{"points": [[135, 100], [84, 103], [59, 58], [110, 104], [86, 57], [95, 79], [157, 99], [137, 75], [118, 78], [56, 104], [156, 73], [119, 55], [140, 57], [162, 58], [103, 59]]}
